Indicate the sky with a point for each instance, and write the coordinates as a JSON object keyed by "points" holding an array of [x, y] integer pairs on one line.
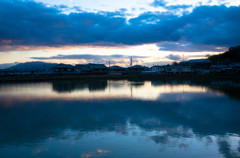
{"points": [[152, 32]]}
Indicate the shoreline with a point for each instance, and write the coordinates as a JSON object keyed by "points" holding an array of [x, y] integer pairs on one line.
{"points": [[129, 76]]}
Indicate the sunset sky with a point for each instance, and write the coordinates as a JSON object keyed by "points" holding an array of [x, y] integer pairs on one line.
{"points": [[99, 31]]}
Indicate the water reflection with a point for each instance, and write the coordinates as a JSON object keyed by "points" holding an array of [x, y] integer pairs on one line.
{"points": [[152, 119], [74, 85], [101, 89]]}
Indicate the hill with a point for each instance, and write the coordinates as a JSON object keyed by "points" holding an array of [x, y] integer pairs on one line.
{"points": [[230, 56], [31, 66]]}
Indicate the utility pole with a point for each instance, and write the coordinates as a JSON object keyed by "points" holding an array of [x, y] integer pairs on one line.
{"points": [[109, 64], [131, 61]]}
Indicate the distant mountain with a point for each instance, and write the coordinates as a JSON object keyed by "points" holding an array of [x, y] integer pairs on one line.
{"points": [[230, 56], [7, 65], [31, 66]]}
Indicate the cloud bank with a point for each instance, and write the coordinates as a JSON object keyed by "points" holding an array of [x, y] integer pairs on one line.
{"points": [[88, 58], [28, 23]]}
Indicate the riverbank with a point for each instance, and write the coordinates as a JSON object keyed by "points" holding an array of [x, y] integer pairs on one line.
{"points": [[127, 76]]}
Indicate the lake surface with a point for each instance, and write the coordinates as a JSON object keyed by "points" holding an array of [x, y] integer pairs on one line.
{"points": [[120, 119]]}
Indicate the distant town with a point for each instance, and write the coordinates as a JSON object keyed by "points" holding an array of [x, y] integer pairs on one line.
{"points": [[225, 63]]}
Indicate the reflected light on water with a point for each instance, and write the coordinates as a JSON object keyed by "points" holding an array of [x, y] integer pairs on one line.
{"points": [[111, 89]]}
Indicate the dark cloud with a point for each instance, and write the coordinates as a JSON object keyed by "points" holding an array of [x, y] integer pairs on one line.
{"points": [[34, 24], [86, 56], [27, 23], [213, 25], [174, 57]]}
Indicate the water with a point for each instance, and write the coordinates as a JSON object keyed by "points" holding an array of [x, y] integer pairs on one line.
{"points": [[122, 119]]}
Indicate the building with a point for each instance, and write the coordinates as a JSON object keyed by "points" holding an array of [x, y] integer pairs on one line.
{"points": [[83, 68], [177, 69], [3, 72], [158, 69], [195, 61], [99, 68], [137, 69], [235, 67], [64, 68], [203, 64], [218, 68], [171, 69], [200, 71], [15, 72], [116, 70]]}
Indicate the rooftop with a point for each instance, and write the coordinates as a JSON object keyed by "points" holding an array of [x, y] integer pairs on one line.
{"points": [[97, 66], [115, 67]]}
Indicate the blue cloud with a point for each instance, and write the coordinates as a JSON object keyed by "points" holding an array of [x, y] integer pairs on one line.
{"points": [[87, 57], [174, 57], [164, 4], [214, 25], [28, 23], [158, 3]]}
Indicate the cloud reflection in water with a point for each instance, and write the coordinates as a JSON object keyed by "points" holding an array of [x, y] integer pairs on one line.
{"points": [[179, 117]]}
